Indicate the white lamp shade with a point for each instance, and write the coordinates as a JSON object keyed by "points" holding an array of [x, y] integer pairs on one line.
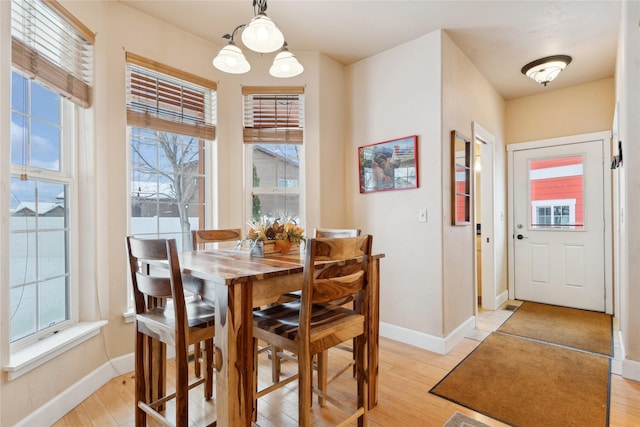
{"points": [[262, 35], [230, 59], [546, 69], [545, 73], [285, 64]]}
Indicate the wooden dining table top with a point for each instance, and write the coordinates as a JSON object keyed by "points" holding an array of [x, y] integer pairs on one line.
{"points": [[230, 266]]}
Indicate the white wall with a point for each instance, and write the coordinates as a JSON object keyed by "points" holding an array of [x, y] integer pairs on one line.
{"points": [[468, 97], [628, 96], [427, 274], [393, 95]]}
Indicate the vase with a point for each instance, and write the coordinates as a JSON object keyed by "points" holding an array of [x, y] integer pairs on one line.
{"points": [[269, 248]]}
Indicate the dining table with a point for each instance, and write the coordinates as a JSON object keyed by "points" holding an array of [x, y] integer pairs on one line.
{"points": [[235, 282]]}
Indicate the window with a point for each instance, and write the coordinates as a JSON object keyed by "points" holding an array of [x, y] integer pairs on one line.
{"points": [[556, 192], [170, 116], [273, 137], [51, 57], [554, 214]]}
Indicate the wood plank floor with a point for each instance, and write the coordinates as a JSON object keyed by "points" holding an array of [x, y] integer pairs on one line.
{"points": [[406, 375]]}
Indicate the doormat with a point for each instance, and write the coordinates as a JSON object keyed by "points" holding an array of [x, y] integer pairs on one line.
{"points": [[527, 383], [571, 327], [461, 420]]}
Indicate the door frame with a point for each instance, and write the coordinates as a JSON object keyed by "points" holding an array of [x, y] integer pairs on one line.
{"points": [[490, 301], [608, 203]]}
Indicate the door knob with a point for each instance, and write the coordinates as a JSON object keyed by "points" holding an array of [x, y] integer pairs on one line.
{"points": [[520, 237]]}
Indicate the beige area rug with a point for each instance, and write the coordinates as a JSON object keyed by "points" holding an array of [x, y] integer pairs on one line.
{"points": [[461, 420], [527, 383], [581, 329]]}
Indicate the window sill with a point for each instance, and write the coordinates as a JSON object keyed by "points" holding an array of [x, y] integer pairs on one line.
{"points": [[38, 353], [129, 316]]}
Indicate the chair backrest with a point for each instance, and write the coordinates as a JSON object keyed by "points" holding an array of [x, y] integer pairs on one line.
{"points": [[148, 284], [336, 232], [335, 268], [200, 237]]}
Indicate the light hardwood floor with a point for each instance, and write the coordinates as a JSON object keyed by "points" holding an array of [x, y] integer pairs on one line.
{"points": [[406, 375]]}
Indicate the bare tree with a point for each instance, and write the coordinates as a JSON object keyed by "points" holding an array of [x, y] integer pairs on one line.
{"points": [[180, 176]]}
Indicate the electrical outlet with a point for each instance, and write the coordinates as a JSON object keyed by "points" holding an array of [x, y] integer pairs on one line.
{"points": [[422, 215]]}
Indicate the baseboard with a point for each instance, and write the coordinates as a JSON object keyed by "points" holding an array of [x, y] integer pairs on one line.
{"points": [[502, 298], [631, 369], [440, 345], [61, 404]]}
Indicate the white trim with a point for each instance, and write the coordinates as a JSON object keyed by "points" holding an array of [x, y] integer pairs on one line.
{"points": [[440, 345], [64, 402], [39, 352], [489, 220], [631, 369], [502, 298], [563, 140], [129, 315]]}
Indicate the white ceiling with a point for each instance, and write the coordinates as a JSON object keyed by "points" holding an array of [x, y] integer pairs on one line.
{"points": [[499, 37]]}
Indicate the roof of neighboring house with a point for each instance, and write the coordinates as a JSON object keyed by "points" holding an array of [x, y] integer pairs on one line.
{"points": [[151, 189], [277, 155], [30, 207]]}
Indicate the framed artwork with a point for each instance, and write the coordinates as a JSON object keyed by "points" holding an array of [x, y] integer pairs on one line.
{"points": [[389, 165]]}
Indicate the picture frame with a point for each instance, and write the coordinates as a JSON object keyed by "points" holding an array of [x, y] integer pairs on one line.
{"points": [[461, 170], [389, 165]]}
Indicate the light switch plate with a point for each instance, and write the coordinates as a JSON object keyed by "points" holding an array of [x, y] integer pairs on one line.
{"points": [[422, 215]]}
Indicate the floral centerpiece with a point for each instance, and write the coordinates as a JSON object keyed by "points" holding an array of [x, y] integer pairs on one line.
{"points": [[276, 235]]}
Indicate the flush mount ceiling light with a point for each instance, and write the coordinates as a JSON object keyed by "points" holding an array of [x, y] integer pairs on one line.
{"points": [[544, 70], [261, 35]]}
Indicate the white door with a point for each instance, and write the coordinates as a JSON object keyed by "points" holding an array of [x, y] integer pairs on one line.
{"points": [[558, 220]]}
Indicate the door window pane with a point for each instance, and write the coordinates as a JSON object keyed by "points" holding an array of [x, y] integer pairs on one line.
{"points": [[556, 193]]}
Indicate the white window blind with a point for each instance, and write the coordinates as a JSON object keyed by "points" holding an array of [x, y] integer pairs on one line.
{"points": [[169, 100], [273, 115], [51, 46]]}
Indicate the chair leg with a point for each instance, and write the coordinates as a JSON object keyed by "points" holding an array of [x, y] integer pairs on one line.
{"points": [[305, 374], [196, 359], [323, 363], [353, 347], [182, 388], [208, 368], [254, 413], [275, 363], [140, 384], [361, 378]]}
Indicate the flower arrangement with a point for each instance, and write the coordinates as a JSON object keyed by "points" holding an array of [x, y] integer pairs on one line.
{"points": [[284, 233]]}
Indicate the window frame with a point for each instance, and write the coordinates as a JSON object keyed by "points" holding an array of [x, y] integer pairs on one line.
{"points": [[64, 176], [166, 118], [271, 127], [55, 50]]}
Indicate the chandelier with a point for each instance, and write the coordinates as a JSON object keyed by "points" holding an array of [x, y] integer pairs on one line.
{"points": [[544, 70], [260, 35]]}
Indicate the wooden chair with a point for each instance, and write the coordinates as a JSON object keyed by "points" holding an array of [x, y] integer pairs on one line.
{"points": [[201, 237], [336, 232], [335, 268], [322, 359], [177, 322], [199, 240]]}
